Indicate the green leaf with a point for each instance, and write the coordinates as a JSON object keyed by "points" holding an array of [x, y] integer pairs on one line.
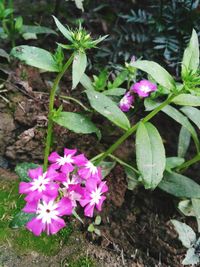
{"points": [[86, 82], [91, 228], [195, 206], [77, 123], [106, 107], [4, 54], [150, 155], [158, 73], [115, 92], [97, 220], [186, 235], [63, 29], [179, 186], [36, 57], [18, 23], [29, 36], [37, 30], [150, 104], [21, 219], [183, 142], [97, 231], [191, 257], [187, 100], [193, 114], [191, 56], [185, 206], [106, 167], [119, 79], [22, 170], [78, 68], [79, 4], [180, 118], [131, 178], [173, 162]]}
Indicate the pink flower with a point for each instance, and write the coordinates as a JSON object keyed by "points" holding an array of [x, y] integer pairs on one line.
{"points": [[48, 216], [88, 170], [41, 186], [65, 163], [126, 102], [143, 88], [74, 193], [93, 196]]}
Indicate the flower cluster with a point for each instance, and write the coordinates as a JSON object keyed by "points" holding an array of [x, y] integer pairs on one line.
{"points": [[70, 180], [142, 89]]}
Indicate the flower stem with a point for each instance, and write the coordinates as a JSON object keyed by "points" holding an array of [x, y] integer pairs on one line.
{"points": [[188, 163], [51, 107], [133, 129]]}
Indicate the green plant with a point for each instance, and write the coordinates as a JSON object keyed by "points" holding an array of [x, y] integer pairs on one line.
{"points": [[13, 27]]}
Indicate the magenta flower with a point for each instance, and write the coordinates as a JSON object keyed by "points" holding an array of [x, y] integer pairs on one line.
{"points": [[93, 196], [88, 170], [143, 88], [126, 102], [65, 163], [74, 193], [41, 185], [48, 216]]}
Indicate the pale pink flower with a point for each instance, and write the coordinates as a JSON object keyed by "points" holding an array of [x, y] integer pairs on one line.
{"points": [[143, 88], [126, 102]]}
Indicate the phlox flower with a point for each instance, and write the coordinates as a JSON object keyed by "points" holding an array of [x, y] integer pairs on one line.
{"points": [[74, 193], [86, 169], [93, 196], [48, 215], [126, 102], [143, 88], [41, 185], [65, 163]]}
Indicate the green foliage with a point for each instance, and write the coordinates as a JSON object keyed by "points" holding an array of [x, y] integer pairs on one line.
{"points": [[106, 107], [78, 67], [188, 238], [106, 167], [179, 186], [180, 118], [159, 74], [21, 219], [77, 123], [190, 61], [36, 57], [22, 170], [157, 30], [183, 141], [150, 155]]}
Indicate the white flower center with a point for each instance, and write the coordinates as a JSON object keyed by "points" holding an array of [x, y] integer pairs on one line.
{"points": [[66, 159], [47, 211], [93, 170], [40, 183], [145, 88], [96, 196], [124, 101]]}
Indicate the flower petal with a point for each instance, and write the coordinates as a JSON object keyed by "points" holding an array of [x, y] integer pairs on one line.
{"points": [[35, 173], [36, 226]]}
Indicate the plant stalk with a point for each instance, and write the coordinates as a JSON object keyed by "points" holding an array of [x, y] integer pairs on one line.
{"points": [[51, 108], [112, 148], [188, 163]]}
